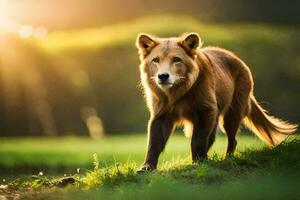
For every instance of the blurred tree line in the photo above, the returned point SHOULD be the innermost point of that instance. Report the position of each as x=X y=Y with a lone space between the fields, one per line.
x=86 y=13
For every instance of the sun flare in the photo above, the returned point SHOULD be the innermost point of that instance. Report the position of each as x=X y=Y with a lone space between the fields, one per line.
x=9 y=25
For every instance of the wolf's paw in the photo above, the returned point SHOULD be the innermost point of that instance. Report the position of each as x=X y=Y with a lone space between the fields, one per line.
x=145 y=168
x=200 y=160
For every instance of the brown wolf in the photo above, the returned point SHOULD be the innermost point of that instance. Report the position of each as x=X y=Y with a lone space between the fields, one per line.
x=187 y=84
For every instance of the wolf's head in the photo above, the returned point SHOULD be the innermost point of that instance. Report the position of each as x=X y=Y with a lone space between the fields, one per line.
x=169 y=63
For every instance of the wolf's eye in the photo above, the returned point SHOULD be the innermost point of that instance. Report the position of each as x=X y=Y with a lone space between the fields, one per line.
x=155 y=60
x=176 y=59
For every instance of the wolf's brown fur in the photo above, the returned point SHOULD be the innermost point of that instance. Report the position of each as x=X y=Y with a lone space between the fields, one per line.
x=205 y=84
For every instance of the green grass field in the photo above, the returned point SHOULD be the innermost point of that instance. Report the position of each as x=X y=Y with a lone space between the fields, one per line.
x=72 y=152
x=255 y=172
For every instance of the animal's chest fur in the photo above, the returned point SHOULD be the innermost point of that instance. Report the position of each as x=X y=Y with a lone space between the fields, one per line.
x=184 y=109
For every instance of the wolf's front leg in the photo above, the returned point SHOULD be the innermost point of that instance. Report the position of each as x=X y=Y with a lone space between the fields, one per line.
x=204 y=125
x=159 y=130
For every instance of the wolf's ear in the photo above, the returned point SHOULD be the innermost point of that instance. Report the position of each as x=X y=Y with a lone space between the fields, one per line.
x=145 y=43
x=191 y=42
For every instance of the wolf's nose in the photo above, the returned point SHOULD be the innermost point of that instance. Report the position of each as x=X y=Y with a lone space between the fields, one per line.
x=163 y=77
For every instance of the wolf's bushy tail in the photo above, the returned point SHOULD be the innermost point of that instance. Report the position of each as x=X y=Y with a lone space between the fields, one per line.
x=268 y=128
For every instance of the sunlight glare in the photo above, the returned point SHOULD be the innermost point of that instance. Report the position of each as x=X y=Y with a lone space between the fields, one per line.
x=7 y=24
x=26 y=31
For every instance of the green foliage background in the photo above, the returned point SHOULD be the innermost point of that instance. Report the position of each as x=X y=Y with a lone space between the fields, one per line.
x=97 y=67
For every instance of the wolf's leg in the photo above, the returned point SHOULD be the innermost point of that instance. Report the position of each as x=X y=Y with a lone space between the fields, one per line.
x=159 y=131
x=204 y=124
x=235 y=114
x=212 y=137
x=232 y=122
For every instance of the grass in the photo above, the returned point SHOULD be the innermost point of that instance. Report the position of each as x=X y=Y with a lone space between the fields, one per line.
x=63 y=154
x=255 y=172
x=252 y=175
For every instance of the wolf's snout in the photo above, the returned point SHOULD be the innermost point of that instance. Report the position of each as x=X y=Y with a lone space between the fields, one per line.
x=163 y=77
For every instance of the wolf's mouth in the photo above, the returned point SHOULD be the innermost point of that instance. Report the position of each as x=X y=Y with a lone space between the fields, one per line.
x=165 y=84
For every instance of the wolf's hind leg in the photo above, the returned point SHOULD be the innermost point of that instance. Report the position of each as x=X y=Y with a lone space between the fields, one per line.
x=233 y=118
x=231 y=126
